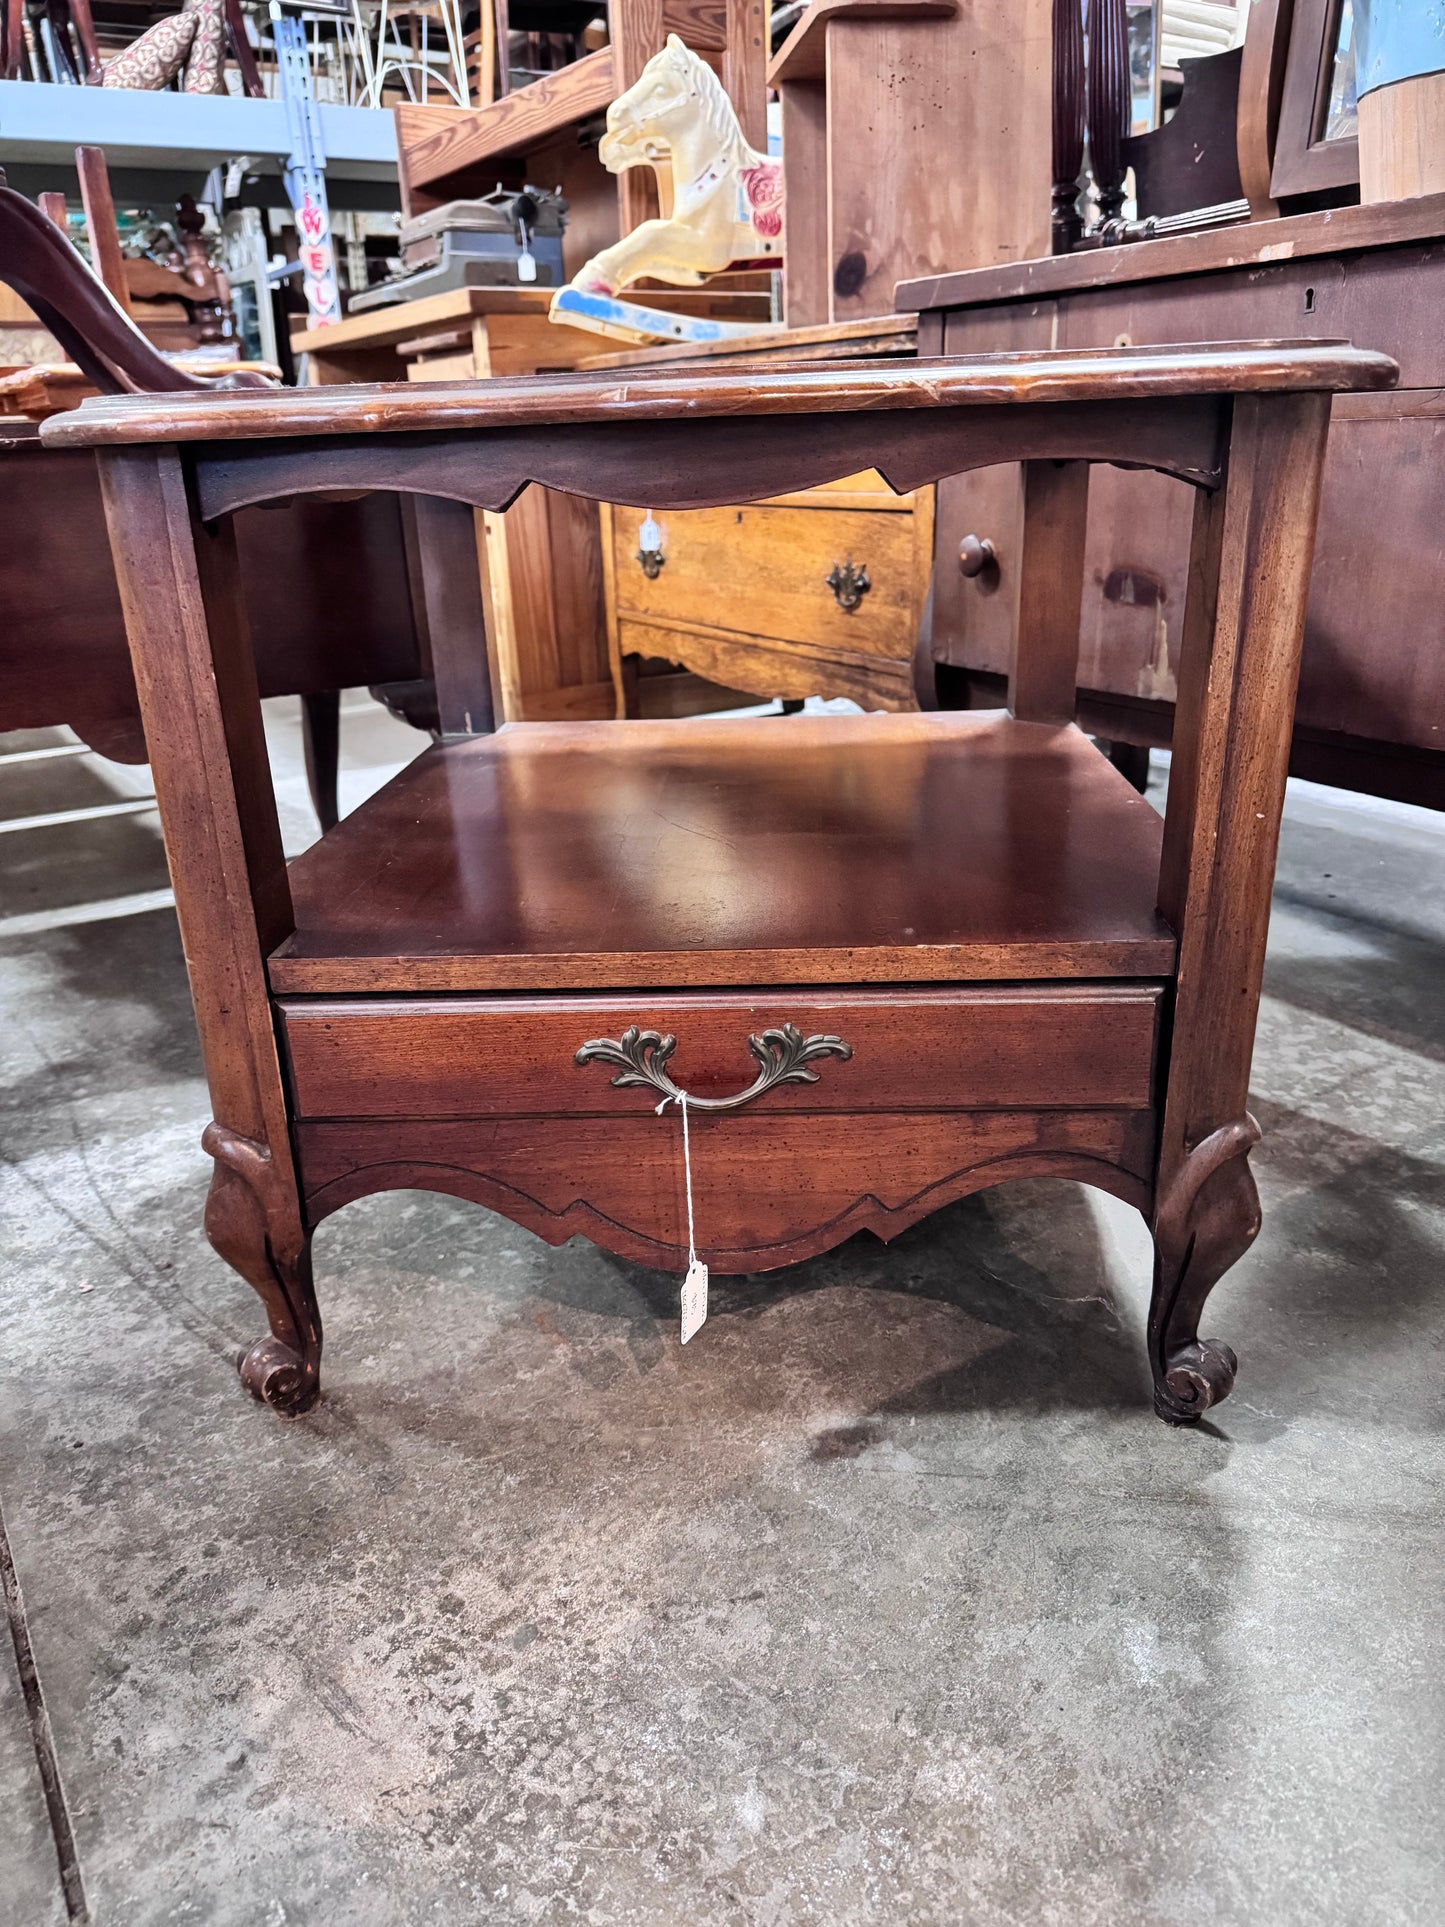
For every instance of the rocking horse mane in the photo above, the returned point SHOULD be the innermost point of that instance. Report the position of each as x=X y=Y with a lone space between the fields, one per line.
x=717 y=109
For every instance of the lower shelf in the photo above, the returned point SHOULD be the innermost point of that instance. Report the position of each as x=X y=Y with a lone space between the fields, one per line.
x=946 y=848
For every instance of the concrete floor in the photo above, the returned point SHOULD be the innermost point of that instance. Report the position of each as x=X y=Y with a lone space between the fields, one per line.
x=888 y=1600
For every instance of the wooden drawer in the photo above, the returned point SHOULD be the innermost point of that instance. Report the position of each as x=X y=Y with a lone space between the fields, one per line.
x=1033 y=1047
x=763 y=572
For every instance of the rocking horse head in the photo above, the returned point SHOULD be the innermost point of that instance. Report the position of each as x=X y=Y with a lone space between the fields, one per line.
x=675 y=92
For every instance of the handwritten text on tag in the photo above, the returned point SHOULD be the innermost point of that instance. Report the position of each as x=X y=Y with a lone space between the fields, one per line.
x=694 y=1299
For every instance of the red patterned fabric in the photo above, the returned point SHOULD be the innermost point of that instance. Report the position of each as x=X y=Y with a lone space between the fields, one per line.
x=194 y=39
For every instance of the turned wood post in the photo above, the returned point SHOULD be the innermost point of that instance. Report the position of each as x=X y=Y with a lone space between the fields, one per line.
x=1108 y=91
x=1068 y=122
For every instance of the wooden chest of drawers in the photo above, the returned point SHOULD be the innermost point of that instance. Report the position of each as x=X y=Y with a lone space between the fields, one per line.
x=819 y=593
x=1371 y=712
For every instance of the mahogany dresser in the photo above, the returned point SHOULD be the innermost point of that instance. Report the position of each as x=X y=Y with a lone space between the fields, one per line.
x=887 y=959
x=1372 y=681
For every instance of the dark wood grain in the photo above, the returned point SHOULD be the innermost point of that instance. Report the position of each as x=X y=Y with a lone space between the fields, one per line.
x=1068 y=121
x=195 y=676
x=1261 y=84
x=325 y=585
x=585 y=854
x=1253 y=553
x=460 y=1057
x=715 y=461
x=1233 y=721
x=1044 y=671
x=1304 y=162
x=1067 y=987
x=447 y=575
x=1337 y=230
x=619 y=1183
x=1371 y=709
x=1108 y=96
x=664 y=394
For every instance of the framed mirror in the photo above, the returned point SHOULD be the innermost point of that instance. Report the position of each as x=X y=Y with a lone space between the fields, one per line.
x=1317 y=144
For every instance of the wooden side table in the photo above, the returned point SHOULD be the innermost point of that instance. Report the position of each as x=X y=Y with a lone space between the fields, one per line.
x=892 y=958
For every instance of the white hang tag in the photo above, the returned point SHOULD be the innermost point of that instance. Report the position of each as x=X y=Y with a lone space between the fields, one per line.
x=694 y=1299
x=649 y=535
x=526 y=260
x=694 y=1285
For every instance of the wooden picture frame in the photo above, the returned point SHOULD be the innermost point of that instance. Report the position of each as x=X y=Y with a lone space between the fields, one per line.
x=1305 y=160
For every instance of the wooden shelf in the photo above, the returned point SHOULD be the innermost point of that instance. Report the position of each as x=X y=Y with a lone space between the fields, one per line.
x=803 y=55
x=906 y=848
x=442 y=141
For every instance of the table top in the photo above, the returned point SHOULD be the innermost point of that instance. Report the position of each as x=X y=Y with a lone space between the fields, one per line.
x=540 y=401
x=943 y=847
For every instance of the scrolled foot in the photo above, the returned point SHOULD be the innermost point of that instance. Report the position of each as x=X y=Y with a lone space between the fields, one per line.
x=272 y=1373
x=253 y=1222
x=1195 y=1377
x=1206 y=1220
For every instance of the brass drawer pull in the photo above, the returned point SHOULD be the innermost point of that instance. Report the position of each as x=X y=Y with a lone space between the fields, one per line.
x=849 y=585
x=642 y=1054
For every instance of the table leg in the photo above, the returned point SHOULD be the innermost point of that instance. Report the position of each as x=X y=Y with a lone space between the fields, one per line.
x=196 y=678
x=1244 y=622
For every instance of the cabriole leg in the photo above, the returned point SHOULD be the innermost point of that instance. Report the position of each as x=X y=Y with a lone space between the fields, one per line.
x=250 y=1223
x=1207 y=1219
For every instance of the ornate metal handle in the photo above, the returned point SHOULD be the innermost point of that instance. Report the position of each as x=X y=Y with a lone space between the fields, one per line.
x=643 y=1054
x=652 y=561
x=849 y=585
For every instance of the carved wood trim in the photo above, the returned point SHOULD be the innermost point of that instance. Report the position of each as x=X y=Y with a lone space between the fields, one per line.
x=580 y=1218
x=707 y=462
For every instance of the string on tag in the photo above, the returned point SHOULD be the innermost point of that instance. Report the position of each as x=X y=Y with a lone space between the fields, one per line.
x=694 y=1285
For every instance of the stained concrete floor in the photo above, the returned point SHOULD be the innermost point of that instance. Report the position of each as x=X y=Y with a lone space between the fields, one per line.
x=888 y=1600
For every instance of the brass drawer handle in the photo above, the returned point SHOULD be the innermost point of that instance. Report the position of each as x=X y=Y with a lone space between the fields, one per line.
x=652 y=561
x=642 y=1054
x=849 y=585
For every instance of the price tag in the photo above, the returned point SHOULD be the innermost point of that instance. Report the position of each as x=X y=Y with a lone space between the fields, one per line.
x=694 y=1299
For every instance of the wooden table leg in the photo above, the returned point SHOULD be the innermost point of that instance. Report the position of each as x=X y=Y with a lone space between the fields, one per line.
x=446 y=588
x=1045 y=666
x=196 y=678
x=1244 y=622
x=321 y=746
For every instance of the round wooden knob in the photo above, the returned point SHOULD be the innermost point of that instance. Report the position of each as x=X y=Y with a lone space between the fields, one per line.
x=975 y=554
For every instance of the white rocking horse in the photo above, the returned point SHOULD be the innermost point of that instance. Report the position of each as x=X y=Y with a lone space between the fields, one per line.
x=727 y=203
